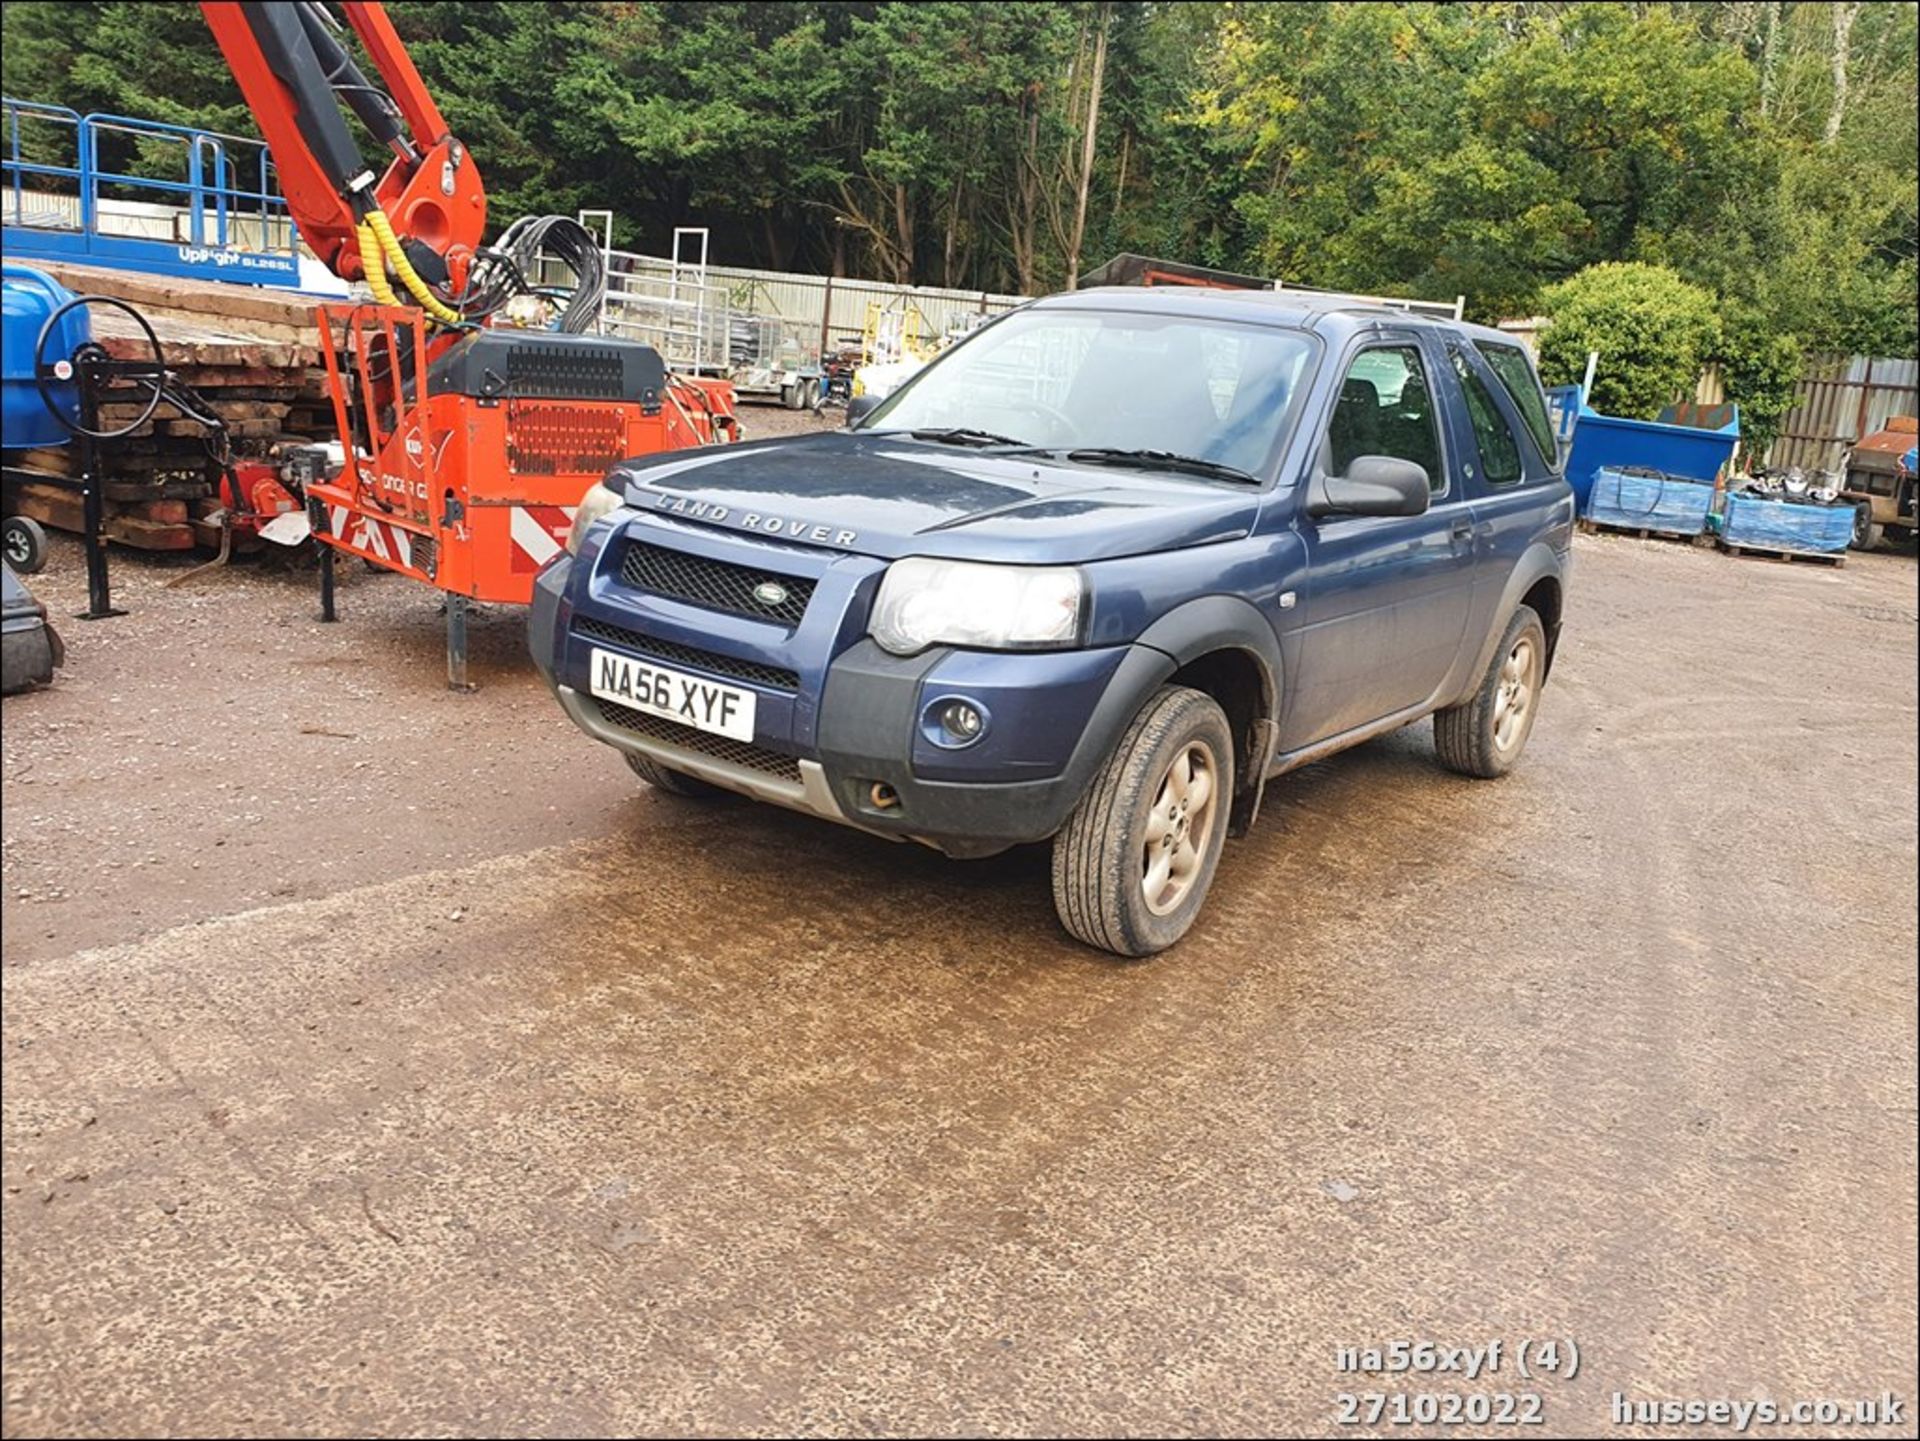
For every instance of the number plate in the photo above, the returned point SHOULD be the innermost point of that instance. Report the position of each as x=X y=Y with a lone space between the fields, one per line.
x=673 y=695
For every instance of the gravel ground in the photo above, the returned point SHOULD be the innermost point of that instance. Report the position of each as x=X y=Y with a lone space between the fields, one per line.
x=380 y=1059
x=191 y=740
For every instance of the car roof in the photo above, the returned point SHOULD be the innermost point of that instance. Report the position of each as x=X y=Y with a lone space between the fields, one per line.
x=1318 y=310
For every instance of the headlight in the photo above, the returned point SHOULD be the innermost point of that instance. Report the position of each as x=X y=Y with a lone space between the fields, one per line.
x=597 y=502
x=993 y=607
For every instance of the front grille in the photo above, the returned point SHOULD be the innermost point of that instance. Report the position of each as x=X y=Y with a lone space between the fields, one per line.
x=686 y=738
x=674 y=654
x=715 y=584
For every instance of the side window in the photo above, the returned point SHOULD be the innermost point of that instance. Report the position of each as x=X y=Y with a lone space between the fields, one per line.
x=1499 y=450
x=1510 y=365
x=1386 y=408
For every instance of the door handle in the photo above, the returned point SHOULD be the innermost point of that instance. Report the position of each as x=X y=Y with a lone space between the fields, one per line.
x=1462 y=532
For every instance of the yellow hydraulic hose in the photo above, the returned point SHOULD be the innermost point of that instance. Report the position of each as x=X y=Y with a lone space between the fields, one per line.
x=409 y=277
x=375 y=265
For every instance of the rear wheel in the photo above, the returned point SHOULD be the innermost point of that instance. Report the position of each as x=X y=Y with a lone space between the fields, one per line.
x=1485 y=735
x=1133 y=864
x=674 y=783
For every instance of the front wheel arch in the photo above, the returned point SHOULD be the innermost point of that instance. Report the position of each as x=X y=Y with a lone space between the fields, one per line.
x=1223 y=646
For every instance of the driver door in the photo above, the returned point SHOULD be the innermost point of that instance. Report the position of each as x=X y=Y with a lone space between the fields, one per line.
x=1386 y=598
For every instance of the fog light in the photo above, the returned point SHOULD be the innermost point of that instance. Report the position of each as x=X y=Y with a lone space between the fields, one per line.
x=953 y=722
x=962 y=721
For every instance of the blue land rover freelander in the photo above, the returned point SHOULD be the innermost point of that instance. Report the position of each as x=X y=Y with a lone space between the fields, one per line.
x=1096 y=576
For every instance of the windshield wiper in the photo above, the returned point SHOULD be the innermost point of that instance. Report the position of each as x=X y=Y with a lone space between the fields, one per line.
x=960 y=435
x=1160 y=460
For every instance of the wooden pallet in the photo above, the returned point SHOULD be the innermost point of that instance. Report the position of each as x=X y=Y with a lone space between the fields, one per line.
x=148 y=525
x=1642 y=532
x=1819 y=557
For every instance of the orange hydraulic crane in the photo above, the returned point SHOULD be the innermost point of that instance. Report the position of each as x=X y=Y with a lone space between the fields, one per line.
x=468 y=440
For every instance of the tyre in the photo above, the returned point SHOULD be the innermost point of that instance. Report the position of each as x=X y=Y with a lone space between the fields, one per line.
x=790 y=395
x=674 y=783
x=25 y=544
x=1132 y=866
x=809 y=395
x=1485 y=735
x=1866 y=534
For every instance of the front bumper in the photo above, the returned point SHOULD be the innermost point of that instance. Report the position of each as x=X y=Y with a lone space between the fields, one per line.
x=846 y=742
x=806 y=790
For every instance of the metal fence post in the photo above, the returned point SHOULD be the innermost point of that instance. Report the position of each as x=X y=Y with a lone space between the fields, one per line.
x=826 y=317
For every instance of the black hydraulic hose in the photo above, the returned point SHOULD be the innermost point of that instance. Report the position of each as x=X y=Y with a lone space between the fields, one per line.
x=505 y=268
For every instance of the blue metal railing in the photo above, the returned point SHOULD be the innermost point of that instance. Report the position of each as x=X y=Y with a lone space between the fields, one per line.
x=236 y=222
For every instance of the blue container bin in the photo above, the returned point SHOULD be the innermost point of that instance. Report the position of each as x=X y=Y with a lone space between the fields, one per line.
x=1759 y=522
x=1636 y=499
x=30 y=296
x=1690 y=441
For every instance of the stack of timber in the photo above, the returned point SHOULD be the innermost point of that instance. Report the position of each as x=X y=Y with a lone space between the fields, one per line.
x=252 y=353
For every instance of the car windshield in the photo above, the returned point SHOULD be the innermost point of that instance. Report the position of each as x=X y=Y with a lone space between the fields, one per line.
x=1115 y=381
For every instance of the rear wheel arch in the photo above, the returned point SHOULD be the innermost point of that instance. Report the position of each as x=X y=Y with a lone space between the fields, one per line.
x=1544 y=597
x=1537 y=565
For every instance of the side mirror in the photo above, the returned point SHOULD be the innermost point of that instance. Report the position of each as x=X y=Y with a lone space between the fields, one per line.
x=1373 y=485
x=860 y=407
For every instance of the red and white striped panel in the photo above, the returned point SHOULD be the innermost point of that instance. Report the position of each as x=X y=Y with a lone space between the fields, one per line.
x=539 y=533
x=371 y=537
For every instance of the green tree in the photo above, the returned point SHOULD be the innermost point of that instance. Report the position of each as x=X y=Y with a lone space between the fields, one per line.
x=1760 y=367
x=1492 y=150
x=1642 y=126
x=1652 y=329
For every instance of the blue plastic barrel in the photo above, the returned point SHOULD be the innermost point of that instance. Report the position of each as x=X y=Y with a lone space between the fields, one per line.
x=30 y=297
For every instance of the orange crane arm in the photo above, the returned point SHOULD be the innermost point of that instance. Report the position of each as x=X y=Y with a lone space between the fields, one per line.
x=295 y=75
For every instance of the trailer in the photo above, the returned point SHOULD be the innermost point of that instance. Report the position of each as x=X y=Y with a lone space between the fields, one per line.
x=767 y=359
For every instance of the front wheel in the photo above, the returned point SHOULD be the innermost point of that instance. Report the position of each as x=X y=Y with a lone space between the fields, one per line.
x=1866 y=533
x=1132 y=866
x=1484 y=735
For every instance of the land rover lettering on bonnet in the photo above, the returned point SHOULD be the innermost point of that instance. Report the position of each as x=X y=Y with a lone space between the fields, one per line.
x=751 y=520
x=1096 y=576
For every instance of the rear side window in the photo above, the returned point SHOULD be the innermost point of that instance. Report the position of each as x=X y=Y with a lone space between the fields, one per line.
x=1517 y=376
x=1499 y=448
